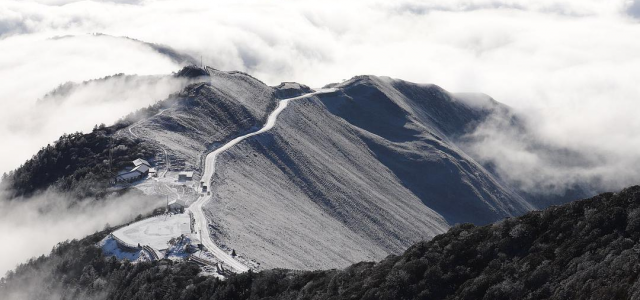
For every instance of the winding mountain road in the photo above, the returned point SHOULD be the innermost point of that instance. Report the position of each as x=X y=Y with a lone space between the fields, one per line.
x=210 y=165
x=134 y=125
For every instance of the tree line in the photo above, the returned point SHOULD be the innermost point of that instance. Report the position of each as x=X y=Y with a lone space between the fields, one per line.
x=82 y=164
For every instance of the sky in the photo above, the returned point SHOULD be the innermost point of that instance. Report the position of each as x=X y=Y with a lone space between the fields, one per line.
x=569 y=67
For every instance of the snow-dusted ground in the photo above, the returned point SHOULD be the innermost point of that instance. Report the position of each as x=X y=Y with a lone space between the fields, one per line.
x=353 y=175
x=201 y=226
x=346 y=175
x=210 y=162
x=110 y=248
x=178 y=250
x=155 y=231
x=132 y=127
x=219 y=108
x=313 y=197
x=191 y=125
x=169 y=187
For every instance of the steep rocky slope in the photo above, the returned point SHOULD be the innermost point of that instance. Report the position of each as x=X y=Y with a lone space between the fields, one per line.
x=354 y=175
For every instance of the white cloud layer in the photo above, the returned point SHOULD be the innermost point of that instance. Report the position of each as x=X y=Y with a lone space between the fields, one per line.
x=31 y=66
x=31 y=227
x=570 y=65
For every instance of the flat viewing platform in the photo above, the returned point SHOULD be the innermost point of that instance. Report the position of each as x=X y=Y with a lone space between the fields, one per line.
x=155 y=231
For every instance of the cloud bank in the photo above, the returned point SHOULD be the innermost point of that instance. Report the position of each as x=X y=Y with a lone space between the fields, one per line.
x=31 y=227
x=569 y=66
x=29 y=72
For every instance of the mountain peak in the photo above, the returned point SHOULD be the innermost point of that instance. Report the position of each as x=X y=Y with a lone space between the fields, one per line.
x=291 y=89
x=192 y=71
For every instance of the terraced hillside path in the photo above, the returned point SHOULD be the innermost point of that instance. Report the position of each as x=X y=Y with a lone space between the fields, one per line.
x=201 y=223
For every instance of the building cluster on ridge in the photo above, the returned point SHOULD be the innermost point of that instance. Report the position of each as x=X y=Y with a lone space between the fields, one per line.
x=141 y=169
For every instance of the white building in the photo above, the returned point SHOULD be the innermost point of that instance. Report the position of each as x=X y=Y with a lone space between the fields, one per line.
x=140 y=170
x=184 y=176
x=141 y=161
x=128 y=176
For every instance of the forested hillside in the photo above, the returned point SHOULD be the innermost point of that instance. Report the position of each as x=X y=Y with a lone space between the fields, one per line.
x=583 y=250
x=78 y=163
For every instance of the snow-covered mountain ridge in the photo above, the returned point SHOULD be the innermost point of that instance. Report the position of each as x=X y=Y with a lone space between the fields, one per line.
x=351 y=175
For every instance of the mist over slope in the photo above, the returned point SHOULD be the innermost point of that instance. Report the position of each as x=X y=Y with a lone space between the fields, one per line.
x=545 y=173
x=27 y=124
